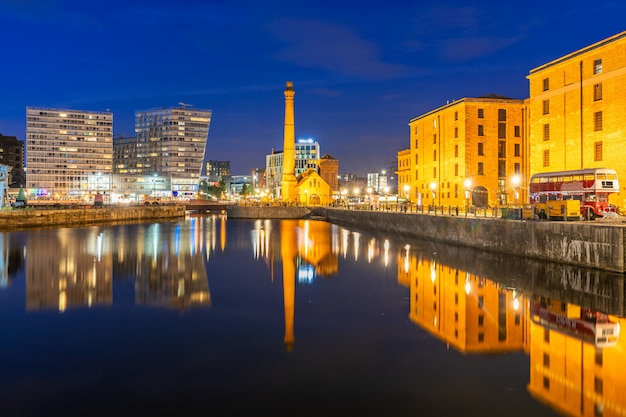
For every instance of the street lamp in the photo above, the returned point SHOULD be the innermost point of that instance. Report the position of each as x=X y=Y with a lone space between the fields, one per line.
x=515 y=181
x=406 y=192
x=386 y=189
x=468 y=186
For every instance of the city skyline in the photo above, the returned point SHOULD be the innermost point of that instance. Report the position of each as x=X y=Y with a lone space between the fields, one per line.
x=358 y=83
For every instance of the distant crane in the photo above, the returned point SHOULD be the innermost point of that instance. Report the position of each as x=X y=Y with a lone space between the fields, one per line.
x=184 y=105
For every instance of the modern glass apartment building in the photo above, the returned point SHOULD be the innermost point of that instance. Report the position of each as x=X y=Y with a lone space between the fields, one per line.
x=166 y=155
x=68 y=152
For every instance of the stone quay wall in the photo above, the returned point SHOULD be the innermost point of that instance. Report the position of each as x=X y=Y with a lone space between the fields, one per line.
x=29 y=218
x=267 y=212
x=589 y=244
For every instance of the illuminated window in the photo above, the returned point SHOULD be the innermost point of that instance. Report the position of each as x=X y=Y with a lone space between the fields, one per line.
x=597 y=66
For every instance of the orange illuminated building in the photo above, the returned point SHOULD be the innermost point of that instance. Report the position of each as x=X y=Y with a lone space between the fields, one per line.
x=574 y=374
x=470 y=313
x=577 y=111
x=473 y=145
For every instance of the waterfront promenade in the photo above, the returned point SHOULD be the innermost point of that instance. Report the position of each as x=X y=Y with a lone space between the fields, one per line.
x=35 y=217
x=598 y=244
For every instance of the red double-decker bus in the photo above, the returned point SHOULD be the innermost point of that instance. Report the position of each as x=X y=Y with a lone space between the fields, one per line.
x=581 y=323
x=591 y=187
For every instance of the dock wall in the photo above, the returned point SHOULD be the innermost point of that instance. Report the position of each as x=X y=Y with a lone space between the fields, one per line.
x=28 y=217
x=590 y=244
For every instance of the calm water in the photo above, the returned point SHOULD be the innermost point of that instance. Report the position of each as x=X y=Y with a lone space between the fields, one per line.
x=209 y=316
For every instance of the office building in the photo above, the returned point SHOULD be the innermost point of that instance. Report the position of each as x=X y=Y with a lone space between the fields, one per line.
x=165 y=157
x=68 y=152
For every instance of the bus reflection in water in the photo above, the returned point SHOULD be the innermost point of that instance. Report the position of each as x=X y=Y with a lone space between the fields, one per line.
x=592 y=187
x=584 y=324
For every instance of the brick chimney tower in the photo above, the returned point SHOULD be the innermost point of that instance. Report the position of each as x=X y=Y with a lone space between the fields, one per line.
x=288 y=181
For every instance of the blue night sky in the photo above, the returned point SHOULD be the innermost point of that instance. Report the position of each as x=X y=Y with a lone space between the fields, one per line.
x=361 y=70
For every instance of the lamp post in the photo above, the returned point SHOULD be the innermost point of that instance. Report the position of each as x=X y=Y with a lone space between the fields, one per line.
x=406 y=192
x=468 y=186
x=515 y=181
x=386 y=189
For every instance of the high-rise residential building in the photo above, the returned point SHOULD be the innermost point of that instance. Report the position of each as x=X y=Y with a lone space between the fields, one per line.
x=472 y=144
x=165 y=157
x=12 y=155
x=68 y=152
x=217 y=170
x=577 y=106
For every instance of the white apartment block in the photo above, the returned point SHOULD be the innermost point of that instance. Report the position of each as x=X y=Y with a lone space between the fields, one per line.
x=68 y=152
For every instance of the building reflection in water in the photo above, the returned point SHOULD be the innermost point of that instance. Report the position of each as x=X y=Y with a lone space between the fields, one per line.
x=566 y=319
x=170 y=268
x=65 y=270
x=307 y=250
x=576 y=352
x=166 y=262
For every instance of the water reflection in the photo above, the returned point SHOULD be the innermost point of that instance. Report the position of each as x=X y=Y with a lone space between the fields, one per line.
x=567 y=320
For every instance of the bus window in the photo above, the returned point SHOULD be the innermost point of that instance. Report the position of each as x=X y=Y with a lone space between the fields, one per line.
x=600 y=176
x=591 y=197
